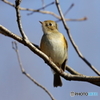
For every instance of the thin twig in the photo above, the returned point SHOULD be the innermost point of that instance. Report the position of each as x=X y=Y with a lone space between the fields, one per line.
x=17 y=3
x=66 y=11
x=9 y=3
x=80 y=19
x=15 y=47
x=41 y=8
x=43 y=4
x=72 y=41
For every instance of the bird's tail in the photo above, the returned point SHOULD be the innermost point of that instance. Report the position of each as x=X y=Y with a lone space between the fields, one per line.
x=57 y=80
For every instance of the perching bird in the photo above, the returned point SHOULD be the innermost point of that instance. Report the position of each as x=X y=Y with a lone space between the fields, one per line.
x=55 y=46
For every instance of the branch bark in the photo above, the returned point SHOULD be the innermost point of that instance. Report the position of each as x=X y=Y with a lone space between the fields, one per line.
x=72 y=41
x=43 y=12
x=15 y=47
x=76 y=77
x=18 y=16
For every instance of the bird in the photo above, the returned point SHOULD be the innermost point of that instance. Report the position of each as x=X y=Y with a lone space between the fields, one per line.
x=55 y=46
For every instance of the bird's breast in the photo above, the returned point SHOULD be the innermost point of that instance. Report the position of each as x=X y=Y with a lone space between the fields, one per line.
x=53 y=46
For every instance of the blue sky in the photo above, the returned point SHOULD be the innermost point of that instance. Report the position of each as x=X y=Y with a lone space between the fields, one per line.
x=86 y=34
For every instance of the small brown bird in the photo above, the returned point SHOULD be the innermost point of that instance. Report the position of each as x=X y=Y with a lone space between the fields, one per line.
x=55 y=46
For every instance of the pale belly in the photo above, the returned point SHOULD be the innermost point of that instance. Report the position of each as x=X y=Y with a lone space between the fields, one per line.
x=55 y=50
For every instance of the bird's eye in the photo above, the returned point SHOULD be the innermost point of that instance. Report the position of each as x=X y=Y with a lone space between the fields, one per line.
x=50 y=24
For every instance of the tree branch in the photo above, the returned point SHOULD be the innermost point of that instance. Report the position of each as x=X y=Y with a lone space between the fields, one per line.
x=80 y=77
x=17 y=3
x=43 y=4
x=66 y=11
x=72 y=71
x=72 y=41
x=43 y=12
x=15 y=47
x=42 y=7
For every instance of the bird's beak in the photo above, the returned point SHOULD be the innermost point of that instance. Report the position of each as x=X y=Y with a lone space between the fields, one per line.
x=41 y=22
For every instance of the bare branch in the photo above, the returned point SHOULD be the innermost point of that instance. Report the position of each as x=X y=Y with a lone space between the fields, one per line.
x=72 y=71
x=15 y=47
x=41 y=8
x=80 y=77
x=27 y=9
x=9 y=3
x=80 y=19
x=68 y=9
x=17 y=3
x=72 y=41
x=66 y=12
x=43 y=12
x=43 y=4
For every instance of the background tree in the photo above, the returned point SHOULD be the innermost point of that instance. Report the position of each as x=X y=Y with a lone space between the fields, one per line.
x=16 y=86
